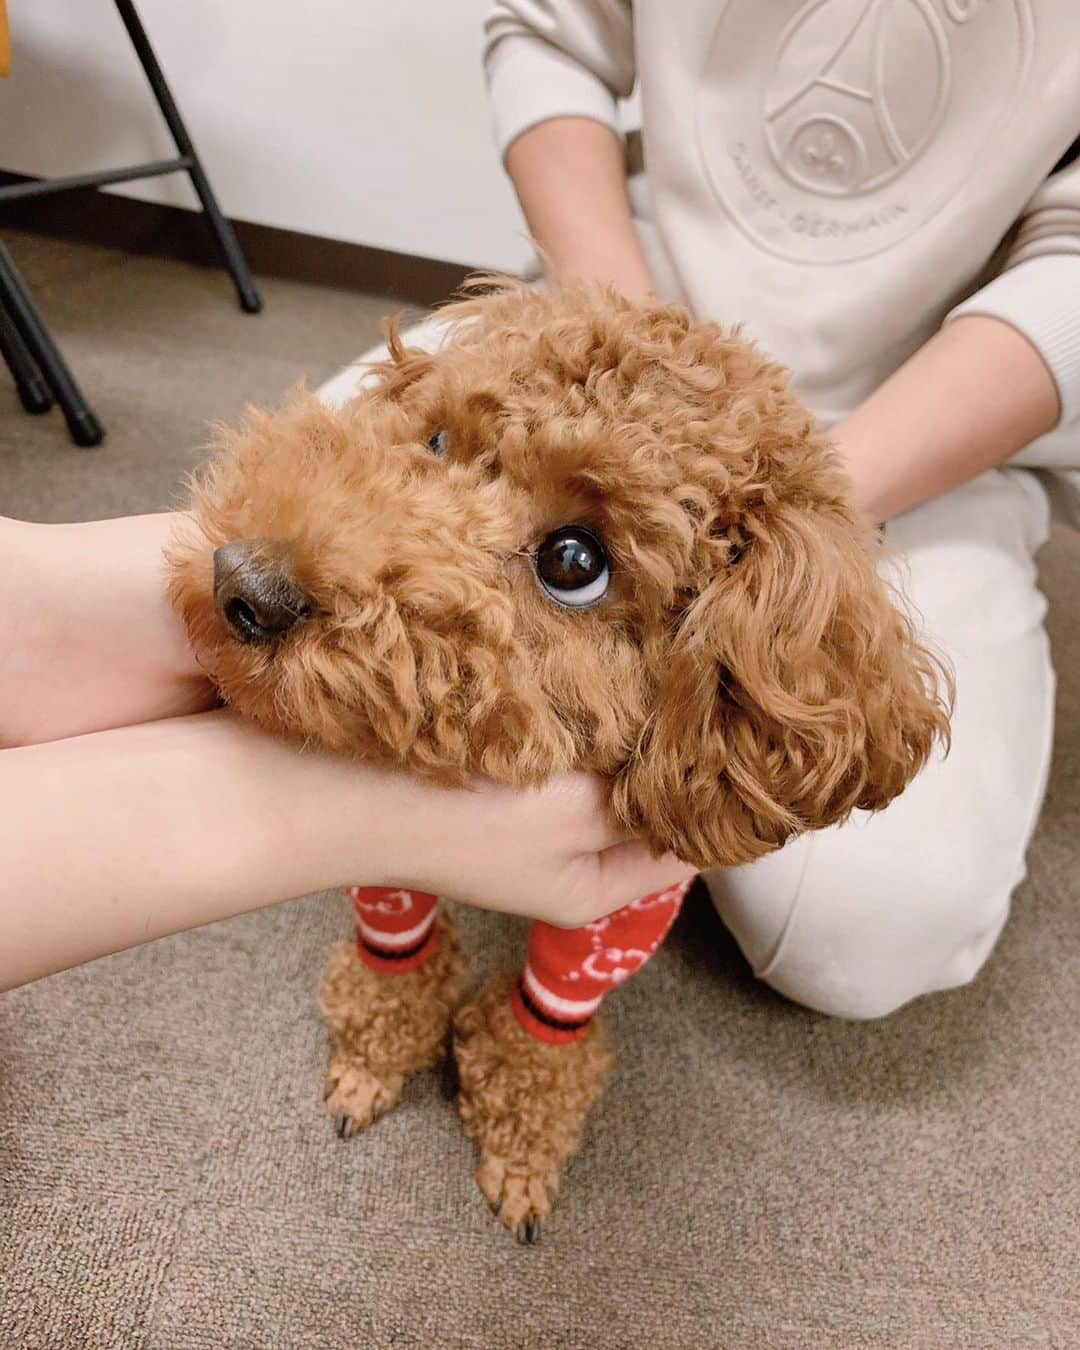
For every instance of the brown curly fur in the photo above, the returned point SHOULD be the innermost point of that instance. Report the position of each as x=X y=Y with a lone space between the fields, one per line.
x=746 y=677
x=524 y=1103
x=385 y=1028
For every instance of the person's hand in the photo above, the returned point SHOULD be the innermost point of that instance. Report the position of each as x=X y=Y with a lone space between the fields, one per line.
x=549 y=853
x=183 y=822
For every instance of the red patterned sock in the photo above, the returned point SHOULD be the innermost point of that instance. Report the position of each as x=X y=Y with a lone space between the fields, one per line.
x=569 y=970
x=395 y=929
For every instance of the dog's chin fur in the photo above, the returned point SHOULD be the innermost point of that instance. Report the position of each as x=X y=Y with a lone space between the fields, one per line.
x=746 y=677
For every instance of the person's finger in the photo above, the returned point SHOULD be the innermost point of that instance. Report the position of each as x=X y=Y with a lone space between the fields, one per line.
x=610 y=879
x=629 y=871
x=591 y=798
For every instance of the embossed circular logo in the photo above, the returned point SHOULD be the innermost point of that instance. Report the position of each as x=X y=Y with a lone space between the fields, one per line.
x=830 y=129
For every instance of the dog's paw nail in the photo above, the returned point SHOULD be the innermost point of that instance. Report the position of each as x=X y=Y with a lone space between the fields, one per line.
x=344 y=1126
x=528 y=1232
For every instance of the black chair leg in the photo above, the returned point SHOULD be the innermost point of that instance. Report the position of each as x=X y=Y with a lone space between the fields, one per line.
x=84 y=427
x=223 y=231
x=33 y=391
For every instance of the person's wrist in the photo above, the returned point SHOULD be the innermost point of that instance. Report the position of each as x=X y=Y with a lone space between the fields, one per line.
x=461 y=826
x=628 y=275
x=173 y=651
x=869 y=501
x=414 y=833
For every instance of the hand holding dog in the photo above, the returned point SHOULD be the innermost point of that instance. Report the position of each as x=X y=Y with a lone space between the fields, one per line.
x=98 y=816
x=547 y=853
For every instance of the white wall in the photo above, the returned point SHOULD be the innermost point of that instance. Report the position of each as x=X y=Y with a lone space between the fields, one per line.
x=362 y=120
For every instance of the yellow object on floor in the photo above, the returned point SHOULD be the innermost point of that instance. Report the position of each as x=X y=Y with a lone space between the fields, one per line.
x=5 y=40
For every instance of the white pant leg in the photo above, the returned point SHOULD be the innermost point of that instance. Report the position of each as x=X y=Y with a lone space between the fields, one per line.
x=347 y=383
x=861 y=918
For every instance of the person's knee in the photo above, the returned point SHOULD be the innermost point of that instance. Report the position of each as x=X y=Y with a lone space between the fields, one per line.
x=864 y=957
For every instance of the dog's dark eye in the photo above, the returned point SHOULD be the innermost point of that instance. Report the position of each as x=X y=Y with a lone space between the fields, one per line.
x=572 y=566
x=437 y=443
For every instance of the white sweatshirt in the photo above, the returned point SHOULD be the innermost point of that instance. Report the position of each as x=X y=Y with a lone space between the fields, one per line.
x=840 y=176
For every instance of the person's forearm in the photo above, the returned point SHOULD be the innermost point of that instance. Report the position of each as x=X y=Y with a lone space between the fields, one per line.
x=973 y=396
x=123 y=836
x=570 y=178
x=90 y=641
x=120 y=837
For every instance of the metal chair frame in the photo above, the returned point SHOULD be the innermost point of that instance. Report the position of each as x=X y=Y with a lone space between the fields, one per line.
x=40 y=372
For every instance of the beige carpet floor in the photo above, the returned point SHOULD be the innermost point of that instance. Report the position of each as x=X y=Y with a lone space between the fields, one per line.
x=757 y=1176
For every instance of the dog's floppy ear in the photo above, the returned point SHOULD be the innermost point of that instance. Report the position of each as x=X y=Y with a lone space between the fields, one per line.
x=795 y=692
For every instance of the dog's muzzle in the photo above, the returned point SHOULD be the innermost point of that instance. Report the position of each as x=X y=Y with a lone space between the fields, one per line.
x=255 y=591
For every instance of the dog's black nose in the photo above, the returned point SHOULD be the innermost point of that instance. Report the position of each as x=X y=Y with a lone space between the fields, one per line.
x=255 y=590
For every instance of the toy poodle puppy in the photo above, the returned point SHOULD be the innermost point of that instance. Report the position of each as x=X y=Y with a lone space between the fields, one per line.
x=587 y=533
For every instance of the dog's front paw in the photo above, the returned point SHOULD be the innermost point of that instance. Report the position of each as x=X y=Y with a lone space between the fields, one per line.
x=520 y=1193
x=524 y=1102
x=355 y=1097
x=385 y=1026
